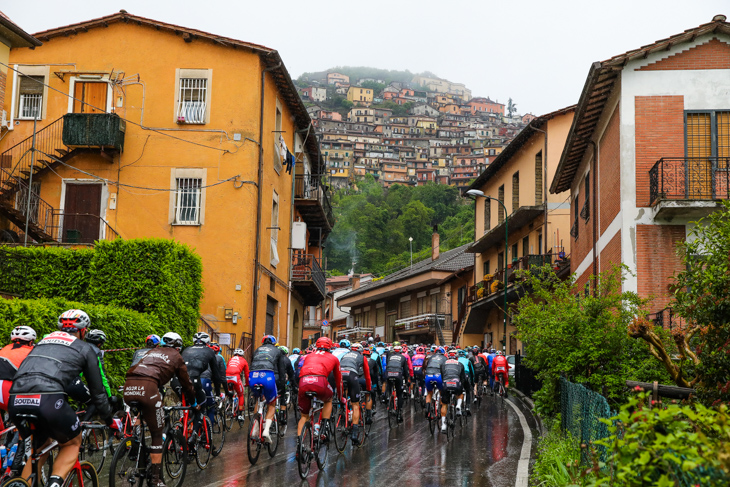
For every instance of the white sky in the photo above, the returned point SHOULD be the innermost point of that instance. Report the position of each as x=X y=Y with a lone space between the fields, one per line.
x=537 y=52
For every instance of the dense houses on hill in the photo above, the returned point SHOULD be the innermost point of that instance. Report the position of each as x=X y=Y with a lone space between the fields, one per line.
x=443 y=135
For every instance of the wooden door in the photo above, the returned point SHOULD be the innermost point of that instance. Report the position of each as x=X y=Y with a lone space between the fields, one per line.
x=93 y=96
x=81 y=213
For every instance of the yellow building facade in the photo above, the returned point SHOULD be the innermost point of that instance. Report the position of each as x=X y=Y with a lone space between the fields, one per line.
x=360 y=96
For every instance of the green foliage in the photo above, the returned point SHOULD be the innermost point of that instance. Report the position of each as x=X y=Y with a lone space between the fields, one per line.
x=374 y=224
x=373 y=85
x=582 y=337
x=673 y=445
x=37 y=272
x=156 y=276
x=124 y=328
x=398 y=110
x=357 y=72
x=557 y=459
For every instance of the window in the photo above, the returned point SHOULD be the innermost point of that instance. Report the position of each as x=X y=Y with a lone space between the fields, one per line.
x=539 y=243
x=192 y=100
x=526 y=246
x=585 y=212
x=275 y=229
x=277 y=136
x=485 y=268
x=708 y=135
x=515 y=191
x=500 y=261
x=514 y=252
x=422 y=305
x=30 y=97
x=500 y=208
x=538 y=178
x=187 y=201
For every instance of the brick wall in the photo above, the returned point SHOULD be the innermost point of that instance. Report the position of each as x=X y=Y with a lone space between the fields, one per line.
x=580 y=247
x=584 y=279
x=657 y=261
x=609 y=173
x=611 y=254
x=659 y=133
x=713 y=54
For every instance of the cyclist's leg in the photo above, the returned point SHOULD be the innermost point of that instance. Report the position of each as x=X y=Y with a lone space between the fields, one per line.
x=270 y=393
x=209 y=401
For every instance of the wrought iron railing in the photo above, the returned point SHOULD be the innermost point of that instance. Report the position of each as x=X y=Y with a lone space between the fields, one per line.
x=585 y=212
x=309 y=187
x=666 y=318
x=312 y=324
x=77 y=228
x=357 y=332
x=690 y=178
x=574 y=228
x=305 y=267
x=217 y=336
x=430 y=321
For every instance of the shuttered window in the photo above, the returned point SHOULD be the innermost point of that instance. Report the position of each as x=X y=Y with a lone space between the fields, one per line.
x=515 y=191
x=500 y=208
x=487 y=214
x=380 y=317
x=538 y=178
x=405 y=309
x=30 y=99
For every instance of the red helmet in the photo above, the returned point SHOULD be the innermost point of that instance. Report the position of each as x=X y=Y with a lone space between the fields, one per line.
x=366 y=352
x=324 y=343
x=452 y=353
x=420 y=350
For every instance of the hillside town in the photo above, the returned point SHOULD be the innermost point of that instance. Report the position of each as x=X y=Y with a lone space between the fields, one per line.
x=442 y=134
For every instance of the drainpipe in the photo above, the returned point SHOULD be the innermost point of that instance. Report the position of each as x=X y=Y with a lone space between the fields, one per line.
x=595 y=211
x=258 y=205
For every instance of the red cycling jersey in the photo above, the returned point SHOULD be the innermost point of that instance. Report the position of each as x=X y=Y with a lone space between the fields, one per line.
x=323 y=364
x=237 y=365
x=501 y=367
x=410 y=363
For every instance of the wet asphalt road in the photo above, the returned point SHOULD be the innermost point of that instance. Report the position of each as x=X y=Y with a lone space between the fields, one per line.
x=485 y=453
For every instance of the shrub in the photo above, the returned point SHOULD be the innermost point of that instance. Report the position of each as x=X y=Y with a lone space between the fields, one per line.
x=557 y=459
x=124 y=328
x=45 y=272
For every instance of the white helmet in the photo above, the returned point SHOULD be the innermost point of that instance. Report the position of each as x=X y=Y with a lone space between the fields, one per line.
x=171 y=339
x=24 y=333
x=74 y=319
x=201 y=337
x=238 y=352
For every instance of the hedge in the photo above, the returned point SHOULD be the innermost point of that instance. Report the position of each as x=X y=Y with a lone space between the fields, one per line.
x=150 y=276
x=124 y=328
x=40 y=272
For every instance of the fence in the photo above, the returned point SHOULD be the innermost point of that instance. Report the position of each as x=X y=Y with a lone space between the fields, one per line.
x=525 y=378
x=581 y=411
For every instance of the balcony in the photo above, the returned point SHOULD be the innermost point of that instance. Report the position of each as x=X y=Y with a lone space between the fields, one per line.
x=688 y=186
x=312 y=200
x=308 y=279
x=425 y=323
x=94 y=131
x=354 y=334
x=312 y=324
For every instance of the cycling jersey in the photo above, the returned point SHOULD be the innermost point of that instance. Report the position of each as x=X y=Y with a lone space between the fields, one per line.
x=454 y=379
x=221 y=362
x=339 y=352
x=11 y=356
x=268 y=357
x=138 y=354
x=197 y=359
x=467 y=368
x=417 y=362
x=397 y=366
x=375 y=372
x=501 y=367
x=433 y=364
x=354 y=362
x=313 y=375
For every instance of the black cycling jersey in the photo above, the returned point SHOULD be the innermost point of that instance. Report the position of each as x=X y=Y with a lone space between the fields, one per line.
x=432 y=365
x=375 y=371
x=207 y=374
x=453 y=369
x=353 y=361
x=268 y=357
x=198 y=358
x=397 y=363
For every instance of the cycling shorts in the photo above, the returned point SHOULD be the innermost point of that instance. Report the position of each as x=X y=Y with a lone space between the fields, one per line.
x=267 y=380
x=433 y=378
x=235 y=384
x=352 y=384
x=56 y=419
x=313 y=383
x=451 y=386
x=5 y=386
x=418 y=373
x=146 y=393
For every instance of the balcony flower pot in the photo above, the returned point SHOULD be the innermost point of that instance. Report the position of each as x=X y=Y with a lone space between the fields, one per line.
x=480 y=292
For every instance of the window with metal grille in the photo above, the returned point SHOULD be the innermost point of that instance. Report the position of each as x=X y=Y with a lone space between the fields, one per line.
x=30 y=97
x=192 y=100
x=187 y=201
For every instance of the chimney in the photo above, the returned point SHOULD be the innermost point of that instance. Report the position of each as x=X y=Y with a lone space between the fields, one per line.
x=435 y=243
x=355 y=281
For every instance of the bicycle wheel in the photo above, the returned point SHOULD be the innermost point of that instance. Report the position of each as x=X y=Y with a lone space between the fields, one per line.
x=174 y=460
x=219 y=432
x=89 y=476
x=94 y=447
x=253 y=445
x=392 y=411
x=125 y=471
x=204 y=447
x=341 y=429
x=432 y=419
x=362 y=434
x=322 y=450
x=274 y=433
x=304 y=453
x=451 y=421
x=250 y=404
x=16 y=482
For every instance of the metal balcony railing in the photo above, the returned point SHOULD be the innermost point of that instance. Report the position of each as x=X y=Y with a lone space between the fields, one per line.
x=574 y=229
x=585 y=212
x=667 y=319
x=690 y=178
x=305 y=267
x=430 y=321
x=357 y=332
x=77 y=228
x=308 y=187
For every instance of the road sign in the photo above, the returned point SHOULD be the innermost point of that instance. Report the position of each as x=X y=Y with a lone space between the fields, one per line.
x=325 y=322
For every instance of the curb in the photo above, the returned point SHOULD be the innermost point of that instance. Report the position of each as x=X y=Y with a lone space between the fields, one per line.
x=531 y=406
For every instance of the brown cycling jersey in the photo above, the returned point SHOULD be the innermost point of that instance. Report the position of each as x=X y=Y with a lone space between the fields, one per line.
x=161 y=365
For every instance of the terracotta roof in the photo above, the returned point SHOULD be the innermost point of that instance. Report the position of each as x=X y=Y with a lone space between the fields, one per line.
x=17 y=36
x=269 y=57
x=597 y=89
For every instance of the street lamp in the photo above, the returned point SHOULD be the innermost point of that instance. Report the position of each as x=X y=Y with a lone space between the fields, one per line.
x=476 y=192
x=410 y=244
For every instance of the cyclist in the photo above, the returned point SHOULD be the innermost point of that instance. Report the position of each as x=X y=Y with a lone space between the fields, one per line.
x=490 y=359
x=479 y=366
x=236 y=375
x=39 y=390
x=470 y=375
x=268 y=370
x=290 y=379
x=432 y=372
x=206 y=380
x=375 y=378
x=97 y=338
x=453 y=377
x=353 y=369
x=342 y=349
x=152 y=341
x=143 y=382
x=500 y=368
x=397 y=371
x=198 y=358
x=22 y=339
x=314 y=374
x=417 y=360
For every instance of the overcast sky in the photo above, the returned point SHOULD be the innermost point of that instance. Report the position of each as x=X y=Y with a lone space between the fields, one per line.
x=536 y=52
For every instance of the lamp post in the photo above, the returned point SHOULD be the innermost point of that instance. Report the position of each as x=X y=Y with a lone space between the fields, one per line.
x=410 y=244
x=476 y=192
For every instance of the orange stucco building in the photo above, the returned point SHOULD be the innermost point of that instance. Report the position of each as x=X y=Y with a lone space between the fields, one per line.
x=148 y=129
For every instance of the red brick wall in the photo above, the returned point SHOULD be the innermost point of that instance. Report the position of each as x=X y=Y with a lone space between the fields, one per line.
x=609 y=173
x=657 y=260
x=659 y=133
x=611 y=254
x=581 y=247
x=584 y=279
x=713 y=54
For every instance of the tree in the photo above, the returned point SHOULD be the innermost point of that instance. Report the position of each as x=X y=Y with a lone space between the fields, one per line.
x=582 y=337
x=701 y=343
x=511 y=107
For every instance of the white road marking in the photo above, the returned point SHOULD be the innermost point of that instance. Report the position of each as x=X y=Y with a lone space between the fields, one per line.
x=523 y=466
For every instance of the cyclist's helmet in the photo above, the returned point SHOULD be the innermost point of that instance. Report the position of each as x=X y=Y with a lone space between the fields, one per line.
x=152 y=341
x=296 y=351
x=433 y=348
x=381 y=344
x=493 y=351
x=421 y=350
x=172 y=339
x=357 y=347
x=397 y=348
x=500 y=352
x=441 y=350
x=201 y=337
x=452 y=354
x=23 y=334
x=73 y=320
x=345 y=343
x=268 y=339
x=324 y=343
x=366 y=352
x=96 y=337
x=396 y=343
x=370 y=340
x=216 y=348
x=239 y=352
x=462 y=353
x=284 y=349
